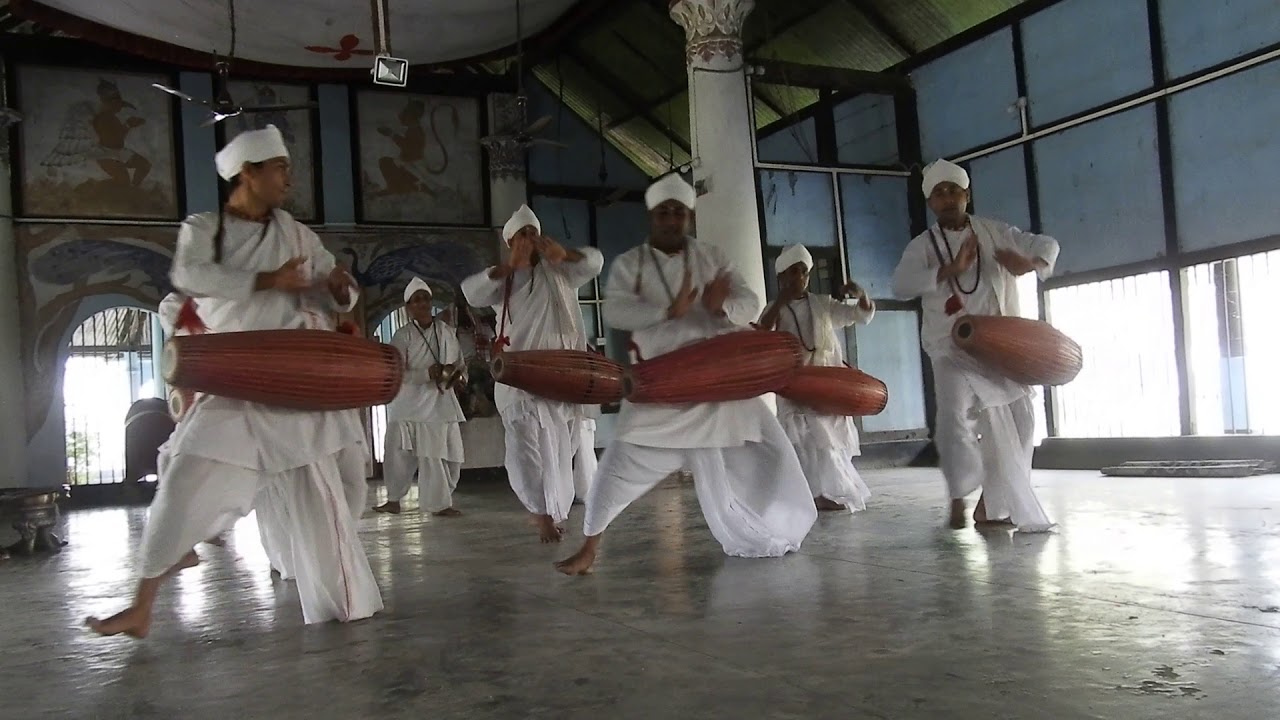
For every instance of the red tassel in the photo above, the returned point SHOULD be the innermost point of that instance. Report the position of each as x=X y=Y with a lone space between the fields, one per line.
x=189 y=319
x=349 y=328
x=953 y=305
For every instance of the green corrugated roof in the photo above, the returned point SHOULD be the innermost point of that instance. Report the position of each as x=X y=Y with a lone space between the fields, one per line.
x=639 y=46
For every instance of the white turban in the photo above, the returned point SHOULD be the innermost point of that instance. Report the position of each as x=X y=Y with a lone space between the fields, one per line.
x=414 y=286
x=250 y=146
x=519 y=219
x=791 y=256
x=940 y=171
x=670 y=187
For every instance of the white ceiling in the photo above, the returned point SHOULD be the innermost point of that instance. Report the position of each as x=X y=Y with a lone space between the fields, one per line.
x=280 y=31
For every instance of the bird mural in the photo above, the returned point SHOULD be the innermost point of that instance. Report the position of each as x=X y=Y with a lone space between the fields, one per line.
x=448 y=261
x=77 y=261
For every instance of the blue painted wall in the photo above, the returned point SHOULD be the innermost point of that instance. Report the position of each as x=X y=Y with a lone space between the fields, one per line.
x=866 y=131
x=1080 y=54
x=799 y=207
x=998 y=187
x=963 y=98
x=579 y=164
x=1200 y=34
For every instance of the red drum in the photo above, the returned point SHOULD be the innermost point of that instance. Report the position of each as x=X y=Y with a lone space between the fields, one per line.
x=735 y=366
x=837 y=391
x=572 y=376
x=299 y=369
x=1031 y=352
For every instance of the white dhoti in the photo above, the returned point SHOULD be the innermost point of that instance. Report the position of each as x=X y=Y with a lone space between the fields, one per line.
x=539 y=456
x=432 y=451
x=271 y=515
x=353 y=464
x=826 y=446
x=754 y=496
x=583 y=430
x=197 y=497
x=999 y=462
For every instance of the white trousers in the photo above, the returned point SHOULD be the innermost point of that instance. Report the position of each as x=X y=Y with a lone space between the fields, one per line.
x=754 y=497
x=539 y=458
x=437 y=478
x=999 y=463
x=831 y=474
x=271 y=510
x=584 y=456
x=199 y=497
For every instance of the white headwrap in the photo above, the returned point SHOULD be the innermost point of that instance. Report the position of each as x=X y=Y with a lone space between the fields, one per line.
x=940 y=171
x=519 y=219
x=414 y=286
x=791 y=256
x=670 y=187
x=250 y=146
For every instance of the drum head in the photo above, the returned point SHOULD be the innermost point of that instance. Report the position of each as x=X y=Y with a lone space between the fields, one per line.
x=169 y=361
x=177 y=404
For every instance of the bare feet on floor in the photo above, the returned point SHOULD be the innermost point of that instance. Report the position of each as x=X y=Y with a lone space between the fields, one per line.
x=390 y=507
x=827 y=504
x=958 y=521
x=448 y=512
x=134 y=621
x=548 y=532
x=580 y=562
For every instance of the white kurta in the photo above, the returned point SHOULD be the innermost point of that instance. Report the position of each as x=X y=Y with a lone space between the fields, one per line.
x=227 y=452
x=971 y=398
x=749 y=482
x=542 y=314
x=424 y=433
x=825 y=444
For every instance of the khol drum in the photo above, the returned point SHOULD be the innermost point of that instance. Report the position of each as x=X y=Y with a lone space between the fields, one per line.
x=837 y=391
x=571 y=376
x=735 y=366
x=299 y=369
x=1031 y=352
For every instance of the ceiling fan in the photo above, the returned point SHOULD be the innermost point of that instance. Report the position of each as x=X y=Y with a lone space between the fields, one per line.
x=523 y=138
x=222 y=106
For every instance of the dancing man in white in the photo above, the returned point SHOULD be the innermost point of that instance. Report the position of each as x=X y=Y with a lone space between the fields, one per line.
x=825 y=444
x=424 y=421
x=968 y=265
x=670 y=292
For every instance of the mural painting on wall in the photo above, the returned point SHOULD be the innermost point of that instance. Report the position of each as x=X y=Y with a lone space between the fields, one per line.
x=420 y=159
x=61 y=264
x=296 y=128
x=95 y=145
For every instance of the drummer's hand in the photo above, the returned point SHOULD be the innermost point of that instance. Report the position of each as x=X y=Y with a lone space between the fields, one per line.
x=684 y=298
x=340 y=284
x=521 y=252
x=549 y=249
x=716 y=292
x=290 y=276
x=1016 y=262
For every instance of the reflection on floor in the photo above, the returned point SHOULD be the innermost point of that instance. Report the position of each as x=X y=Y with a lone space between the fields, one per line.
x=1155 y=599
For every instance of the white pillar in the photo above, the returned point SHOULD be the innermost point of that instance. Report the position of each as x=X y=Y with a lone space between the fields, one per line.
x=720 y=117
x=507 y=190
x=13 y=407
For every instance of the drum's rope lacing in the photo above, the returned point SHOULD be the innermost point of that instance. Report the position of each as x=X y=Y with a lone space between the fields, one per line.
x=502 y=340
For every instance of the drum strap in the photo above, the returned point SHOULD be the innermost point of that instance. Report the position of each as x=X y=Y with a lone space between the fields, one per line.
x=812 y=322
x=434 y=333
x=955 y=282
x=502 y=340
x=219 y=235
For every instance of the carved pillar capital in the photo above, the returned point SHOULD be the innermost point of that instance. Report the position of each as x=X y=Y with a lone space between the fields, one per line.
x=712 y=28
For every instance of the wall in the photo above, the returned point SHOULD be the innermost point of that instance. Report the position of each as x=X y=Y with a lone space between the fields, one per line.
x=1152 y=187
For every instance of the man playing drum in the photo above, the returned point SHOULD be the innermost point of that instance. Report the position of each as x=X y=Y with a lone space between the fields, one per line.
x=253 y=267
x=670 y=292
x=969 y=265
x=535 y=296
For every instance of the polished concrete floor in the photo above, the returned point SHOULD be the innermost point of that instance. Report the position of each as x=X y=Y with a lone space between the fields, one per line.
x=1155 y=599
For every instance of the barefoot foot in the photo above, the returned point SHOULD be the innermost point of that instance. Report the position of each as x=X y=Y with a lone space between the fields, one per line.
x=389 y=507
x=957 y=520
x=448 y=512
x=133 y=621
x=579 y=563
x=826 y=504
x=547 y=530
